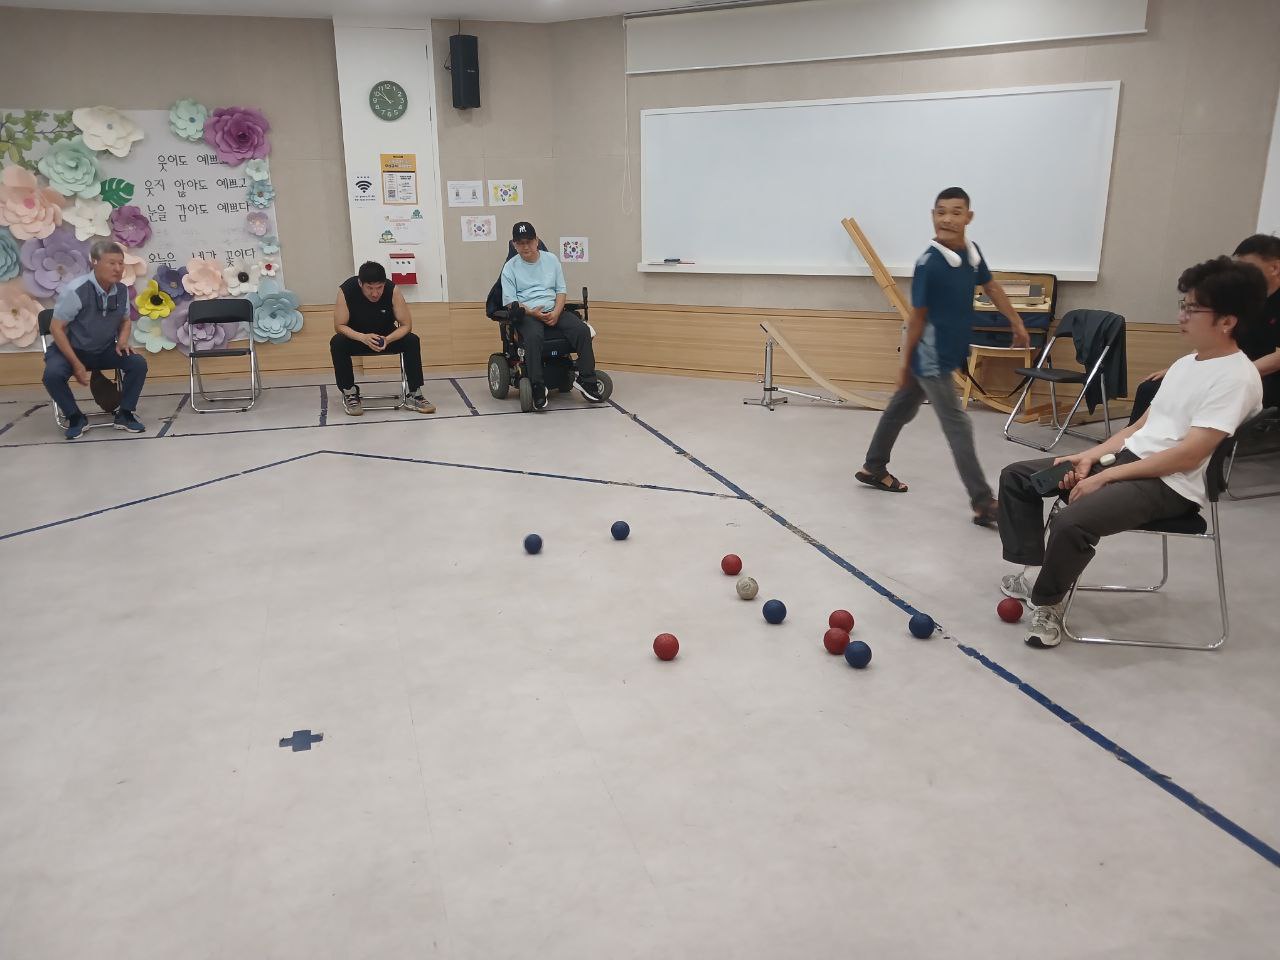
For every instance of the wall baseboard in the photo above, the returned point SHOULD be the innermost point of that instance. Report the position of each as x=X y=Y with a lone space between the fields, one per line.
x=858 y=348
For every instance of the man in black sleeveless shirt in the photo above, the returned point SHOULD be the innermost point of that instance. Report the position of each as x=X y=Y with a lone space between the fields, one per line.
x=371 y=317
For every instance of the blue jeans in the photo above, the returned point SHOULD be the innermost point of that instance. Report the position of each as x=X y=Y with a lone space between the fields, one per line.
x=57 y=371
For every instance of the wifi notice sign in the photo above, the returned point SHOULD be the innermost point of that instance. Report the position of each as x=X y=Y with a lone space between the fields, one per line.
x=363 y=188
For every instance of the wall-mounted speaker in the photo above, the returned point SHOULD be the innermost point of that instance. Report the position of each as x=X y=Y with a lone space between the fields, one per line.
x=464 y=66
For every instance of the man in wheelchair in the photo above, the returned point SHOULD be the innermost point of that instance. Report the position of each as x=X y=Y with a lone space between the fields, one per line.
x=533 y=292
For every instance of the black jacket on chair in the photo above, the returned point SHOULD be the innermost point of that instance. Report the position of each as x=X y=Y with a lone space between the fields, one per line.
x=1091 y=330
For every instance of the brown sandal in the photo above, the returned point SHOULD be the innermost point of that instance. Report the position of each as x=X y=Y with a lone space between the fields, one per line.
x=885 y=481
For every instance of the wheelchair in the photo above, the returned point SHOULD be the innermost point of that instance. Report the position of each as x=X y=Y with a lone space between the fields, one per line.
x=559 y=366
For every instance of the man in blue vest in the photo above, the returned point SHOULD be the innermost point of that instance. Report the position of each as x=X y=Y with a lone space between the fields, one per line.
x=90 y=329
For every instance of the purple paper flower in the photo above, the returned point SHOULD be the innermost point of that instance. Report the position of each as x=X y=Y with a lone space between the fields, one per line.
x=130 y=226
x=52 y=262
x=207 y=336
x=169 y=279
x=237 y=134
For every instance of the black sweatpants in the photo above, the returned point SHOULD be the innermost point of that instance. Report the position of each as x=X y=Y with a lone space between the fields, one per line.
x=1117 y=507
x=570 y=326
x=343 y=348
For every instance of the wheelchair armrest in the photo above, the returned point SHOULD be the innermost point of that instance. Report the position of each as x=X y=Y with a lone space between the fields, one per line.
x=501 y=316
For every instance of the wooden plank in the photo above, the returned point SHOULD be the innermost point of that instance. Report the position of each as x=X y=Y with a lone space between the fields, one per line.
x=846 y=395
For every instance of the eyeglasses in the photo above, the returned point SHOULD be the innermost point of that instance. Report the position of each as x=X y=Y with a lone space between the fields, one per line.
x=1186 y=309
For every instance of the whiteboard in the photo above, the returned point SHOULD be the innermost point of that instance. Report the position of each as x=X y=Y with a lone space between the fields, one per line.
x=761 y=188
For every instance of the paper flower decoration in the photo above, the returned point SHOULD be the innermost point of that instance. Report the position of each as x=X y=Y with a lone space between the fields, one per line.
x=148 y=333
x=106 y=128
x=204 y=279
x=72 y=169
x=91 y=218
x=27 y=209
x=242 y=279
x=186 y=120
x=130 y=226
x=205 y=336
x=10 y=264
x=153 y=302
x=276 y=316
x=269 y=268
x=19 y=316
x=270 y=245
x=237 y=134
x=53 y=261
x=257 y=223
x=135 y=268
x=257 y=170
x=170 y=281
x=261 y=193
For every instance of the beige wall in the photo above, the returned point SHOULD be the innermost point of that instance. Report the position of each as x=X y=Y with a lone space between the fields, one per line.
x=285 y=68
x=1197 y=101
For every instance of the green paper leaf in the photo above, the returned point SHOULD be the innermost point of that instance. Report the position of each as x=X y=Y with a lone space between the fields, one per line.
x=117 y=192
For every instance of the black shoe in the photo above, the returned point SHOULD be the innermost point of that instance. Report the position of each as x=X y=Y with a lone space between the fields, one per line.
x=539 y=396
x=590 y=389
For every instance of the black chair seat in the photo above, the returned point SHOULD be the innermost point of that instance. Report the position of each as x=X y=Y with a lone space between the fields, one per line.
x=1192 y=524
x=222 y=352
x=1052 y=374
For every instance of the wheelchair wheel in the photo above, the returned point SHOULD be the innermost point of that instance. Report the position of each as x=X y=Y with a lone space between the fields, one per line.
x=526 y=395
x=499 y=376
x=606 y=384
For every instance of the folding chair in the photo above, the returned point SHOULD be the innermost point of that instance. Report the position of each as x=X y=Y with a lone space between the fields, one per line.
x=1263 y=441
x=104 y=419
x=223 y=311
x=1191 y=526
x=398 y=400
x=1044 y=371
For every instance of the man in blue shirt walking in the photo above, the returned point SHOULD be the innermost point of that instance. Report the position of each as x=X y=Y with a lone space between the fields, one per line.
x=533 y=290
x=937 y=344
x=91 y=331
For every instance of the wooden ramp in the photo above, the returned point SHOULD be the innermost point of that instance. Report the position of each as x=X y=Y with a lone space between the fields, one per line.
x=848 y=396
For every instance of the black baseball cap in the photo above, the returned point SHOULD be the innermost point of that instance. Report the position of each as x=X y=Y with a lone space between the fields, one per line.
x=523 y=231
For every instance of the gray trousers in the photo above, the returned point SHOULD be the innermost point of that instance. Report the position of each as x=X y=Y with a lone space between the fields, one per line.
x=1115 y=508
x=902 y=409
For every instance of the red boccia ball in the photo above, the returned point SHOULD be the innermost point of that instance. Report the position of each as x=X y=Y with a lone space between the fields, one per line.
x=841 y=620
x=1009 y=610
x=835 y=640
x=666 y=646
x=731 y=565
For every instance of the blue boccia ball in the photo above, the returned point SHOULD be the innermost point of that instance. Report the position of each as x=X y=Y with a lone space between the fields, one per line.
x=775 y=611
x=921 y=626
x=532 y=543
x=857 y=654
x=620 y=530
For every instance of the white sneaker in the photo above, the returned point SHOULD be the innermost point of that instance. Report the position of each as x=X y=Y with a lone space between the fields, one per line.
x=1015 y=585
x=351 y=402
x=1046 y=628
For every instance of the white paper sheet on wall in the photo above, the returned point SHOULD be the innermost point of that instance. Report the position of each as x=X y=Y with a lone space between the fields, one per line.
x=466 y=193
x=506 y=193
x=476 y=229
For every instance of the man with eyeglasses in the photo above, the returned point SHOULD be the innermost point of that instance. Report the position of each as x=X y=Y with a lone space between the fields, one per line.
x=91 y=328
x=1259 y=340
x=1156 y=470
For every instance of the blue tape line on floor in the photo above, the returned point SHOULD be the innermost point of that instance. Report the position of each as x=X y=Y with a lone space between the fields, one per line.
x=465 y=399
x=1230 y=827
x=169 y=421
x=8 y=426
x=324 y=405
x=157 y=496
x=529 y=473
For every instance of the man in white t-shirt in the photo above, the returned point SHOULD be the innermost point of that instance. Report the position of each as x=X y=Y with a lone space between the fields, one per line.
x=1160 y=461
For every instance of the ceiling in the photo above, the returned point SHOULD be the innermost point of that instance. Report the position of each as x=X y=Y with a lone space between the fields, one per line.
x=530 y=11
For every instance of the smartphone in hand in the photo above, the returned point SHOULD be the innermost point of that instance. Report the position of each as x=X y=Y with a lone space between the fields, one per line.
x=1046 y=481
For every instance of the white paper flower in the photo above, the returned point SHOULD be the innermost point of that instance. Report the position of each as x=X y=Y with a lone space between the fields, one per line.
x=91 y=218
x=135 y=268
x=257 y=170
x=269 y=269
x=242 y=279
x=106 y=128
